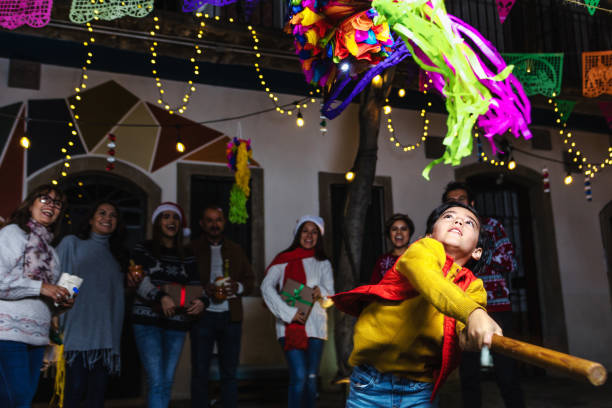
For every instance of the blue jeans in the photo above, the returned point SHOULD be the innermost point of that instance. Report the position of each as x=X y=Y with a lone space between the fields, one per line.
x=371 y=388
x=211 y=327
x=303 y=371
x=159 y=350
x=20 y=367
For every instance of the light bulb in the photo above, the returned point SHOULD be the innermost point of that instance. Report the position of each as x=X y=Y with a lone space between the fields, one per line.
x=511 y=165
x=401 y=93
x=300 y=120
x=568 y=179
x=349 y=176
x=24 y=142
x=377 y=80
x=180 y=147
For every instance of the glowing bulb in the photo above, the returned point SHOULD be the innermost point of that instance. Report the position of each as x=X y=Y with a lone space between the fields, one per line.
x=300 y=120
x=180 y=147
x=345 y=66
x=349 y=176
x=24 y=142
x=511 y=165
x=401 y=93
x=377 y=80
x=387 y=109
x=568 y=179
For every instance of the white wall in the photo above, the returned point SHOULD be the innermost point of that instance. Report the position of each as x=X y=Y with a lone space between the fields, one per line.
x=292 y=157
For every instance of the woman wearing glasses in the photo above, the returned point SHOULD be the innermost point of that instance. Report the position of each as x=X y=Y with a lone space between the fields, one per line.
x=92 y=329
x=29 y=269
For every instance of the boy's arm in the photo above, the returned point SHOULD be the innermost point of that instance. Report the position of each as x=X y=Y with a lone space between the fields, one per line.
x=478 y=294
x=422 y=264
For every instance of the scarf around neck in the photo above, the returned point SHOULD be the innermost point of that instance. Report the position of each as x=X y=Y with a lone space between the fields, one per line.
x=295 y=333
x=38 y=258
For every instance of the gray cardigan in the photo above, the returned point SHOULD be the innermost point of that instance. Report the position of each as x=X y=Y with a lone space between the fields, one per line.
x=24 y=315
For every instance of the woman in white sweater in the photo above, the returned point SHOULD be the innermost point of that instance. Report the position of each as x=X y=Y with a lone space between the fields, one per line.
x=301 y=336
x=29 y=269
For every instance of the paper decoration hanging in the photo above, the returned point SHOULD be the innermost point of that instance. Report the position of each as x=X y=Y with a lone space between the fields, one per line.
x=587 y=188
x=596 y=73
x=15 y=13
x=591 y=5
x=111 y=152
x=239 y=153
x=343 y=42
x=538 y=73
x=82 y=11
x=565 y=109
x=503 y=8
x=546 y=180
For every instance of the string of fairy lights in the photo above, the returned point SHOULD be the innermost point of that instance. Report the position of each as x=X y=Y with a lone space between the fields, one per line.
x=181 y=107
x=387 y=110
x=273 y=97
x=590 y=169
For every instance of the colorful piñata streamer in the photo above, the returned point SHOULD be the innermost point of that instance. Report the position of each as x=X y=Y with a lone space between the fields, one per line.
x=239 y=153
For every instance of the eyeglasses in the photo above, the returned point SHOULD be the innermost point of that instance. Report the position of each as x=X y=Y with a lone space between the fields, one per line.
x=45 y=199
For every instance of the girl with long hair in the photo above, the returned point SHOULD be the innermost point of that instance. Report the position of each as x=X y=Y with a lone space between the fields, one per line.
x=301 y=337
x=160 y=324
x=92 y=329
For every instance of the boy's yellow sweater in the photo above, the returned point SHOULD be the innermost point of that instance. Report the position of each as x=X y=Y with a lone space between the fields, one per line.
x=405 y=338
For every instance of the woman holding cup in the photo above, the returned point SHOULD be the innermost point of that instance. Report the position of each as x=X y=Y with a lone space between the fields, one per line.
x=163 y=266
x=29 y=270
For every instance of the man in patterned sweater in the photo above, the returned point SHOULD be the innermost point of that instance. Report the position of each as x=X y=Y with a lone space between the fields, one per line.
x=500 y=265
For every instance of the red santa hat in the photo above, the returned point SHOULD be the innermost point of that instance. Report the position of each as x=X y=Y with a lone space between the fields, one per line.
x=175 y=208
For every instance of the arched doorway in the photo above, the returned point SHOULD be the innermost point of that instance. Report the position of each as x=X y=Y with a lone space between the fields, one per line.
x=136 y=195
x=518 y=200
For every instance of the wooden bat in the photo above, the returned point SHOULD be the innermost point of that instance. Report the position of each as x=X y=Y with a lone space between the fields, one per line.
x=575 y=367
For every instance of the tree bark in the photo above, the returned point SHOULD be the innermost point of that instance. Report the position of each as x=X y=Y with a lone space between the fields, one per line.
x=356 y=207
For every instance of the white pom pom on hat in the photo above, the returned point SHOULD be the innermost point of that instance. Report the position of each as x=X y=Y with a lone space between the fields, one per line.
x=175 y=208
x=318 y=221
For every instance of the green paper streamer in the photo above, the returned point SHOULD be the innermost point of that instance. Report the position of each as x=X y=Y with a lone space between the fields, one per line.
x=466 y=97
x=538 y=73
x=238 y=212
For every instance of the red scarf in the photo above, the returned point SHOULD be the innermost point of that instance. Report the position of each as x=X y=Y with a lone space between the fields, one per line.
x=295 y=333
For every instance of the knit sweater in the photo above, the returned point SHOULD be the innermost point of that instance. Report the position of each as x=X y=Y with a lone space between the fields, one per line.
x=405 y=338
x=93 y=325
x=499 y=267
x=167 y=268
x=24 y=315
x=382 y=265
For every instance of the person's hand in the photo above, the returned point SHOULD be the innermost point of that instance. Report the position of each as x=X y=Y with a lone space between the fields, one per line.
x=230 y=287
x=299 y=317
x=479 y=331
x=316 y=293
x=56 y=293
x=67 y=303
x=195 y=307
x=135 y=275
x=168 y=306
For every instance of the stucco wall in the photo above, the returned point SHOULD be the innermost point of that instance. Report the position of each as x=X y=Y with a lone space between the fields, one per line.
x=292 y=157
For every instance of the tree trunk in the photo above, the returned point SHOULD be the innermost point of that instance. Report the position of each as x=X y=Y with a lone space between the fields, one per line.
x=356 y=207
